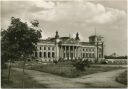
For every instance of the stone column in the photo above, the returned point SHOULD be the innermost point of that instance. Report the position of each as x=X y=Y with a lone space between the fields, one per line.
x=51 y=54
x=57 y=52
x=81 y=52
x=69 y=52
x=76 y=52
x=62 y=52
x=46 y=54
x=65 y=52
x=73 y=52
x=42 y=52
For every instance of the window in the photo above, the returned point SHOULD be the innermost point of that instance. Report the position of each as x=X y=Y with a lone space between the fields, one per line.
x=40 y=54
x=90 y=55
x=48 y=48
x=53 y=54
x=40 y=48
x=67 y=55
x=44 y=54
x=93 y=55
x=35 y=54
x=71 y=55
x=83 y=49
x=64 y=55
x=86 y=54
x=44 y=48
x=83 y=55
x=49 y=55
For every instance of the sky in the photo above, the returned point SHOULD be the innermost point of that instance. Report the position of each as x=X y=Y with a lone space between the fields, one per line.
x=108 y=17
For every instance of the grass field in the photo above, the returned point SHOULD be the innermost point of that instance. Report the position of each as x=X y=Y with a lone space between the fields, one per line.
x=122 y=78
x=65 y=69
x=16 y=80
x=69 y=70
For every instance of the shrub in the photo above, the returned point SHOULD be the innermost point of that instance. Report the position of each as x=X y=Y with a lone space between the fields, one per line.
x=122 y=78
x=55 y=61
x=80 y=64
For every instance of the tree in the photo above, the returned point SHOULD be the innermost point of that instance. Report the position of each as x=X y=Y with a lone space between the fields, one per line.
x=7 y=51
x=19 y=40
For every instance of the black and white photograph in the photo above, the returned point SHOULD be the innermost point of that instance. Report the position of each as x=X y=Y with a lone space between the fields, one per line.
x=64 y=44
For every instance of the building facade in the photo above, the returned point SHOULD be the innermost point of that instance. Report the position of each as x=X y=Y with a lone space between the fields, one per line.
x=67 y=48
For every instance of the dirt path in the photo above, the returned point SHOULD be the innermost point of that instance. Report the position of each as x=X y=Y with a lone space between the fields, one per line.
x=103 y=79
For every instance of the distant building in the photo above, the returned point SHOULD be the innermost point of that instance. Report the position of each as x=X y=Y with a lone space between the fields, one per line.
x=67 y=48
x=113 y=55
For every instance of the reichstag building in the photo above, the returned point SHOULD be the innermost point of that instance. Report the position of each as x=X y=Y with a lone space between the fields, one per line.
x=67 y=48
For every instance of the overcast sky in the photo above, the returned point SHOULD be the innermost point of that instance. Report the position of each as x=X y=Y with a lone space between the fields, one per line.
x=109 y=17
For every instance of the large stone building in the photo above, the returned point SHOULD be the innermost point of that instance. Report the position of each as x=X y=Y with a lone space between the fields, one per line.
x=67 y=48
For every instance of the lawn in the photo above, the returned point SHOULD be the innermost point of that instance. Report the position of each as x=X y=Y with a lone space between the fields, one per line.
x=70 y=71
x=65 y=69
x=16 y=80
x=122 y=78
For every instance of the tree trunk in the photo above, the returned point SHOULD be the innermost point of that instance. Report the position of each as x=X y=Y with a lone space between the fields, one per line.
x=23 y=73
x=9 y=71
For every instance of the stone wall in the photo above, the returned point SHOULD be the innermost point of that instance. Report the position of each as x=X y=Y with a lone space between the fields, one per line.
x=116 y=61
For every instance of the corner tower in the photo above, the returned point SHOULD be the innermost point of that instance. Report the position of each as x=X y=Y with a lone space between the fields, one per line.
x=77 y=37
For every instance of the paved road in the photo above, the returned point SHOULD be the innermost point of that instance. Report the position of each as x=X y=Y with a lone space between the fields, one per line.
x=103 y=79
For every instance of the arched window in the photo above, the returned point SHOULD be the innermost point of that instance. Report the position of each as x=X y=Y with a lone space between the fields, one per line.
x=83 y=55
x=44 y=48
x=90 y=55
x=35 y=54
x=93 y=55
x=48 y=48
x=64 y=55
x=49 y=55
x=53 y=54
x=44 y=54
x=86 y=54
x=40 y=48
x=71 y=55
x=40 y=54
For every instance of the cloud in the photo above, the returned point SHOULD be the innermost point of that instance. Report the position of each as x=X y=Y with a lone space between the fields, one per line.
x=74 y=10
x=44 y=4
x=87 y=12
